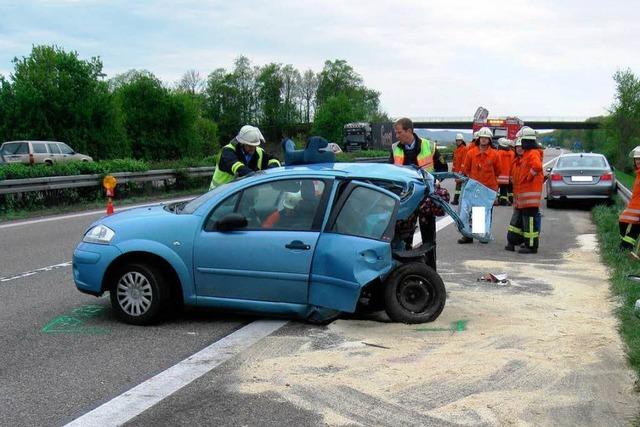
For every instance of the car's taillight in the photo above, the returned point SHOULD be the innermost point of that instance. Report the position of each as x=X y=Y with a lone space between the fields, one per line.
x=31 y=159
x=606 y=177
x=556 y=177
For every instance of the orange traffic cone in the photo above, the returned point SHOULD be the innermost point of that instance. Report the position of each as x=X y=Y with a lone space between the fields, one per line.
x=109 y=206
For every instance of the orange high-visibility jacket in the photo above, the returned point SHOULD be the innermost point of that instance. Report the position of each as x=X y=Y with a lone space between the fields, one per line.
x=528 y=180
x=631 y=214
x=458 y=158
x=471 y=149
x=505 y=157
x=483 y=166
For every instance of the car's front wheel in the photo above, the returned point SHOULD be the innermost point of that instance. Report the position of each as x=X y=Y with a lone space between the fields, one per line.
x=139 y=294
x=414 y=293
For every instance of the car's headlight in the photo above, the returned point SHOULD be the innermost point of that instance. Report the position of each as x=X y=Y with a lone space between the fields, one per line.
x=99 y=234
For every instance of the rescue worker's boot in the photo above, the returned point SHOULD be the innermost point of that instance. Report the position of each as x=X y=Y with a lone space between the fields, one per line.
x=509 y=247
x=464 y=240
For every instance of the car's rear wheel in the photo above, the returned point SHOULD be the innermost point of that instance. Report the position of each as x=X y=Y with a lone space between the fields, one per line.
x=139 y=294
x=414 y=293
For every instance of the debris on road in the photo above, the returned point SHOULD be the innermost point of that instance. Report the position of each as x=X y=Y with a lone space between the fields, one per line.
x=375 y=345
x=494 y=278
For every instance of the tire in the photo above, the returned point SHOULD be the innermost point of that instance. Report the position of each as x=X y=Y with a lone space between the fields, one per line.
x=131 y=284
x=414 y=293
x=551 y=204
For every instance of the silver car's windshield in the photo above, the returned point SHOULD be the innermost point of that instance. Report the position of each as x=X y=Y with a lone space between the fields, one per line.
x=581 y=162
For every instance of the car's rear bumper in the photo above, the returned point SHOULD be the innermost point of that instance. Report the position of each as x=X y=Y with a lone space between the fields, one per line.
x=575 y=191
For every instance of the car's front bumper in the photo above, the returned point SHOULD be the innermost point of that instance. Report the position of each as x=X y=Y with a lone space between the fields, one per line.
x=90 y=262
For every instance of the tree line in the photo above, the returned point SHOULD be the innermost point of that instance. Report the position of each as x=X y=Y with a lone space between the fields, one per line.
x=619 y=131
x=53 y=94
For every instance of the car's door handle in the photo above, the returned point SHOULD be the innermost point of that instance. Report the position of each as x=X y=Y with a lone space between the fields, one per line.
x=297 y=244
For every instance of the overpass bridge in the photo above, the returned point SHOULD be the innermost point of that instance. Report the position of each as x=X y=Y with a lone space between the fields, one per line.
x=536 y=122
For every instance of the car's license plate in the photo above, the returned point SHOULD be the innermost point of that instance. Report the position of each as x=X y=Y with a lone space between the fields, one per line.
x=581 y=179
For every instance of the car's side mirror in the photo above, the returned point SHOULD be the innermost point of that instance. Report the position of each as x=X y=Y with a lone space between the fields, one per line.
x=232 y=221
x=548 y=169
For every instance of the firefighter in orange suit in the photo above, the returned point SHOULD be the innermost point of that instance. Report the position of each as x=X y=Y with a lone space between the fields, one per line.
x=527 y=192
x=505 y=157
x=629 y=221
x=458 y=164
x=482 y=165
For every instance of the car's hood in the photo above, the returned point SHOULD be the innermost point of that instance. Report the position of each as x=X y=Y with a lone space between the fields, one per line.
x=128 y=216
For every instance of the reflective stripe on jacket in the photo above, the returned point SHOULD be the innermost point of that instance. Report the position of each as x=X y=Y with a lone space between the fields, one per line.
x=505 y=158
x=424 y=159
x=631 y=214
x=221 y=177
x=528 y=180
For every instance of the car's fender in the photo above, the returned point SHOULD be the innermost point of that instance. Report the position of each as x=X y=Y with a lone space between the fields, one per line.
x=169 y=255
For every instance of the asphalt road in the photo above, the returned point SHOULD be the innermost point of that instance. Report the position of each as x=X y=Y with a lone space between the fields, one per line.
x=63 y=353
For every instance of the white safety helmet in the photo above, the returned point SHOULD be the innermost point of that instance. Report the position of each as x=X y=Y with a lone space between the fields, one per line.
x=249 y=135
x=635 y=153
x=291 y=200
x=484 y=132
x=526 y=133
x=459 y=137
x=503 y=142
x=518 y=143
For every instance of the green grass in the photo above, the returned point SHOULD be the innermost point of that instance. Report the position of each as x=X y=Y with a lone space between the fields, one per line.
x=625 y=179
x=91 y=205
x=620 y=265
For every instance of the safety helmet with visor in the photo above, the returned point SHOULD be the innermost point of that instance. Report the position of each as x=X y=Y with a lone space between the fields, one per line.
x=250 y=135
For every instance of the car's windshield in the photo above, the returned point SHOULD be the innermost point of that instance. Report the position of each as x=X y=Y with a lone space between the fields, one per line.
x=191 y=207
x=581 y=162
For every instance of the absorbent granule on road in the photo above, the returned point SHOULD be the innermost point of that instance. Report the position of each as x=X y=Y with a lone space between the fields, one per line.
x=525 y=357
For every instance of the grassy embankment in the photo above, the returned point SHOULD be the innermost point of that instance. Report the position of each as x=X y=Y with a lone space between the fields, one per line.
x=620 y=266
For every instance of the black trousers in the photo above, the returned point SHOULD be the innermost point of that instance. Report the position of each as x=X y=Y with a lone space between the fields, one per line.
x=524 y=228
x=628 y=235
x=456 y=196
x=427 y=224
x=503 y=198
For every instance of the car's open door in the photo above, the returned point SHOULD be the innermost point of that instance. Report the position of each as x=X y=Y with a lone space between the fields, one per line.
x=355 y=247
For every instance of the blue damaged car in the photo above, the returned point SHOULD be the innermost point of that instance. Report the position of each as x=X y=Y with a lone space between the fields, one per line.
x=307 y=241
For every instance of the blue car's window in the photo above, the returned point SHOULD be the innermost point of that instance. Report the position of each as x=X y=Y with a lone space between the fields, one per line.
x=226 y=207
x=290 y=204
x=366 y=213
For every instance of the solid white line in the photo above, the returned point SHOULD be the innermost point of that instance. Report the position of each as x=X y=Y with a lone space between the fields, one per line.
x=132 y=403
x=88 y=213
x=36 y=271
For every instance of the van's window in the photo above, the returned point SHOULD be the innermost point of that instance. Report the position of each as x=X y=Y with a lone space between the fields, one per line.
x=39 y=148
x=15 y=148
x=65 y=149
x=53 y=148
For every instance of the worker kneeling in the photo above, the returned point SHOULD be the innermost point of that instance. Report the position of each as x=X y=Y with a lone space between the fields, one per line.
x=528 y=179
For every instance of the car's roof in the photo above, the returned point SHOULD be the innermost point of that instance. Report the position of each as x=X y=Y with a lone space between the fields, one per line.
x=30 y=140
x=384 y=171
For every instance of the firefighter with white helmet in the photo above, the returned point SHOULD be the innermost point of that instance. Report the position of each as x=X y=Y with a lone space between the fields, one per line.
x=242 y=156
x=528 y=179
x=482 y=165
x=629 y=220
x=458 y=164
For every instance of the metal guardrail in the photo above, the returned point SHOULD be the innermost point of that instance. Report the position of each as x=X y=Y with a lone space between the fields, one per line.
x=11 y=186
x=623 y=191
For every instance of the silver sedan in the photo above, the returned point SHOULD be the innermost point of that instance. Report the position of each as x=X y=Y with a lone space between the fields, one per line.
x=583 y=176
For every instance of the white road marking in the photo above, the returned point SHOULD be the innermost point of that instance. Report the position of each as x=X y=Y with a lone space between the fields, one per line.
x=132 y=403
x=88 y=213
x=36 y=271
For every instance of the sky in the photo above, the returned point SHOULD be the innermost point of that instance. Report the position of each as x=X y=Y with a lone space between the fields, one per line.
x=426 y=58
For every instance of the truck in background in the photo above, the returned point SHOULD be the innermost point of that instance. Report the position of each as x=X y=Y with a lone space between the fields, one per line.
x=506 y=127
x=366 y=136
